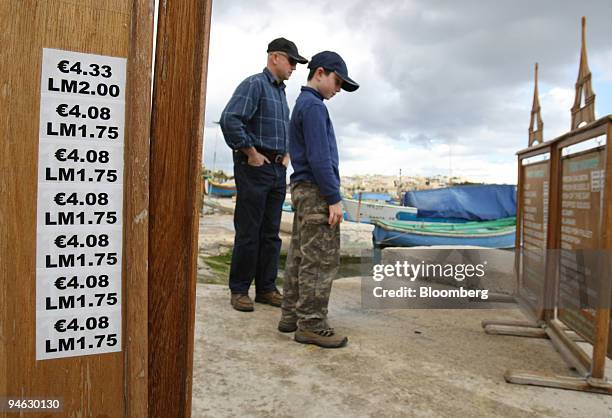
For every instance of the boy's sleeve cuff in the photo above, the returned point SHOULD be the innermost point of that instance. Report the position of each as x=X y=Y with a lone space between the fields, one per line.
x=333 y=199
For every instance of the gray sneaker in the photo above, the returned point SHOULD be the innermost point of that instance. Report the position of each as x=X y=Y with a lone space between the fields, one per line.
x=325 y=338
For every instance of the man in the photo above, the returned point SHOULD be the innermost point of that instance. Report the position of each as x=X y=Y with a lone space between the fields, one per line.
x=314 y=254
x=255 y=125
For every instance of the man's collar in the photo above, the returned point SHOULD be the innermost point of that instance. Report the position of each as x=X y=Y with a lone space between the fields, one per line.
x=272 y=78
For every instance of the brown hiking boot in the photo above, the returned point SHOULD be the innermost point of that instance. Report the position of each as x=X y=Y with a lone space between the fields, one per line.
x=242 y=302
x=325 y=338
x=273 y=298
x=287 y=324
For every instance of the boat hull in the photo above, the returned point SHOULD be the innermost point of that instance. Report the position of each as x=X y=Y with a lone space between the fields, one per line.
x=221 y=190
x=367 y=212
x=491 y=234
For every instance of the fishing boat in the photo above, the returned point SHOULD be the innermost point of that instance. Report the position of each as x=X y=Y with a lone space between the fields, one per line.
x=221 y=189
x=499 y=233
x=375 y=196
x=366 y=211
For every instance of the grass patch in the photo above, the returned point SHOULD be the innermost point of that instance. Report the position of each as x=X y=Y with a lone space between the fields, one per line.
x=220 y=267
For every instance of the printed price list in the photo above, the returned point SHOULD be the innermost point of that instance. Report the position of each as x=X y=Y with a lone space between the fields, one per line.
x=534 y=229
x=581 y=202
x=80 y=204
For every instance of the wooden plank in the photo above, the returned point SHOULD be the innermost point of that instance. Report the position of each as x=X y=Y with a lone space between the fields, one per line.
x=98 y=27
x=519 y=223
x=575 y=337
x=607 y=228
x=592 y=130
x=555 y=381
x=136 y=223
x=602 y=316
x=568 y=138
x=498 y=297
x=176 y=152
x=516 y=331
x=571 y=353
x=513 y=323
x=552 y=235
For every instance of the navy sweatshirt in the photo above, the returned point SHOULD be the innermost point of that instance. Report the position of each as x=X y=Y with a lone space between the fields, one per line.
x=312 y=145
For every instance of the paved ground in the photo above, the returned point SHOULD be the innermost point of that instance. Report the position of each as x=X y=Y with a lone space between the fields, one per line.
x=399 y=363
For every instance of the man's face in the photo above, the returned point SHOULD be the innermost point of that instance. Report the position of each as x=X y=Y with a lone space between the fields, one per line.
x=285 y=65
x=329 y=85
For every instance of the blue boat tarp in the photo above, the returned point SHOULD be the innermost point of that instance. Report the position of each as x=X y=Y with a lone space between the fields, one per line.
x=477 y=203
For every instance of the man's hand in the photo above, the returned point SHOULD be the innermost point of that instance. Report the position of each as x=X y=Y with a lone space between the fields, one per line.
x=335 y=214
x=286 y=160
x=255 y=159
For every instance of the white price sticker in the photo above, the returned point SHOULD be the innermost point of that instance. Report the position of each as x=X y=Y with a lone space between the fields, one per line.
x=79 y=243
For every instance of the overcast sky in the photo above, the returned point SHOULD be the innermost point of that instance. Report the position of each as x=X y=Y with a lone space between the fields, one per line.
x=446 y=86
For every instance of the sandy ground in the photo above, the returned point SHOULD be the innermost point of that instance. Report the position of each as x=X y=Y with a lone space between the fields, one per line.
x=398 y=363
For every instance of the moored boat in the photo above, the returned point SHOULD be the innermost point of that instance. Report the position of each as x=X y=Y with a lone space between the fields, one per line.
x=499 y=233
x=367 y=211
x=221 y=189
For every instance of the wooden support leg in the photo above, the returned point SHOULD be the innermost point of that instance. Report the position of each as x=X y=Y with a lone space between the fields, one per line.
x=496 y=297
x=526 y=324
x=573 y=355
x=523 y=329
x=559 y=382
x=518 y=331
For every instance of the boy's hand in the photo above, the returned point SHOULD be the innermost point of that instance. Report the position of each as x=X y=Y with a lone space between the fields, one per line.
x=286 y=160
x=335 y=214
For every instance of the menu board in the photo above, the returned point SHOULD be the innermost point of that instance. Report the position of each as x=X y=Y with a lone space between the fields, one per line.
x=534 y=223
x=79 y=204
x=582 y=187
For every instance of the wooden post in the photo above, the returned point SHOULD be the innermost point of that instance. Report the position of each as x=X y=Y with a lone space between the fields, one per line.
x=602 y=316
x=176 y=152
x=552 y=235
x=112 y=384
x=138 y=117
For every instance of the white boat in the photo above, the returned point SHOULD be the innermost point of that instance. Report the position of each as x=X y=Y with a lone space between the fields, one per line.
x=366 y=211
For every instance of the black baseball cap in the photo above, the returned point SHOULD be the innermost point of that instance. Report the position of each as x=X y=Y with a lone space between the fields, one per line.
x=288 y=47
x=334 y=62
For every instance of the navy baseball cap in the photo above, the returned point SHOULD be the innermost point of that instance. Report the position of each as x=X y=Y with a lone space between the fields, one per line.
x=288 y=47
x=334 y=62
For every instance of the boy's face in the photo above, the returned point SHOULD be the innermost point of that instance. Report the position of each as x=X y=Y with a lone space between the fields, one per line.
x=329 y=84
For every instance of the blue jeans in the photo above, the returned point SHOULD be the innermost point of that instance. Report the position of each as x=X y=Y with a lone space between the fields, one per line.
x=259 y=202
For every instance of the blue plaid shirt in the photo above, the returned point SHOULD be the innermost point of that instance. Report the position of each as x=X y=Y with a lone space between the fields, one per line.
x=257 y=115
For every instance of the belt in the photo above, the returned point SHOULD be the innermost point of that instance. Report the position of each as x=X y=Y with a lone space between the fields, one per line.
x=272 y=156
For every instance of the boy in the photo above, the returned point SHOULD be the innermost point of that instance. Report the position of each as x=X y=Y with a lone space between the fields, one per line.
x=314 y=254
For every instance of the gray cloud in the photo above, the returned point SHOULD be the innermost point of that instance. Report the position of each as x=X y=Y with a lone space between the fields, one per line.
x=453 y=65
x=444 y=71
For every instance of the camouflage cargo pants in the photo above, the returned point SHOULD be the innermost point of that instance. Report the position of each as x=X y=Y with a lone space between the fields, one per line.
x=312 y=261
